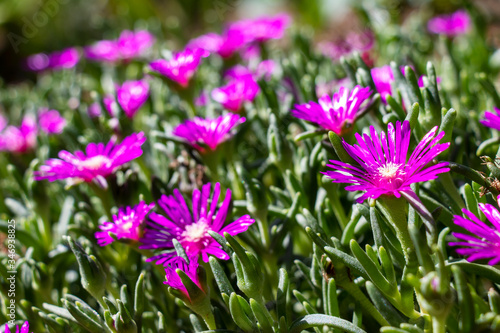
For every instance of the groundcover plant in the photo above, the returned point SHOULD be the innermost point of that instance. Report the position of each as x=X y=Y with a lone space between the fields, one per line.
x=284 y=172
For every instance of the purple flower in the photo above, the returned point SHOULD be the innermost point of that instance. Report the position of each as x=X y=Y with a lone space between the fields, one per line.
x=126 y=224
x=98 y=161
x=360 y=42
x=23 y=329
x=384 y=167
x=132 y=95
x=451 y=25
x=236 y=92
x=262 y=28
x=209 y=43
x=181 y=67
x=172 y=278
x=133 y=44
x=190 y=227
x=50 y=121
x=20 y=139
x=383 y=78
x=484 y=243
x=202 y=99
x=201 y=132
x=336 y=114
x=110 y=105
x=492 y=119
x=94 y=110
x=104 y=50
x=265 y=69
x=67 y=58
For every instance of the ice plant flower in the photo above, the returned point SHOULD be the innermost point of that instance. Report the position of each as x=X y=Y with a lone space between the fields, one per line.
x=492 y=119
x=103 y=50
x=190 y=227
x=110 y=105
x=94 y=110
x=20 y=139
x=451 y=25
x=338 y=113
x=384 y=167
x=236 y=92
x=383 y=78
x=181 y=67
x=50 y=121
x=265 y=69
x=172 y=278
x=23 y=329
x=360 y=42
x=98 y=161
x=126 y=224
x=67 y=58
x=209 y=43
x=131 y=95
x=262 y=28
x=203 y=132
x=484 y=240
x=132 y=44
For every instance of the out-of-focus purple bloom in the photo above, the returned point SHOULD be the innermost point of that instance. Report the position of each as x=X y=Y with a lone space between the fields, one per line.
x=94 y=110
x=236 y=92
x=3 y=122
x=250 y=52
x=131 y=95
x=172 y=278
x=110 y=105
x=329 y=87
x=98 y=161
x=23 y=329
x=134 y=44
x=354 y=42
x=201 y=100
x=209 y=43
x=383 y=78
x=384 y=167
x=190 y=227
x=181 y=67
x=491 y=119
x=336 y=114
x=484 y=243
x=265 y=69
x=51 y=121
x=451 y=25
x=262 y=28
x=67 y=58
x=421 y=80
x=126 y=224
x=103 y=50
x=201 y=132
x=238 y=72
x=20 y=139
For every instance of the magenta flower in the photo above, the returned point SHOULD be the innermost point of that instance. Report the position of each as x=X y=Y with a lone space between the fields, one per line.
x=98 y=161
x=360 y=42
x=209 y=43
x=384 y=167
x=94 y=110
x=190 y=227
x=20 y=139
x=202 y=99
x=132 y=95
x=336 y=114
x=383 y=78
x=126 y=224
x=134 y=44
x=23 y=329
x=110 y=105
x=329 y=87
x=172 y=278
x=201 y=132
x=265 y=69
x=51 y=121
x=67 y=58
x=484 y=243
x=181 y=67
x=104 y=50
x=262 y=28
x=451 y=25
x=236 y=92
x=492 y=119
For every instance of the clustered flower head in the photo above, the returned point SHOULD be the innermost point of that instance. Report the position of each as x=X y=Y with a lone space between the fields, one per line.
x=483 y=242
x=67 y=58
x=336 y=114
x=98 y=161
x=20 y=139
x=190 y=227
x=131 y=95
x=51 y=121
x=451 y=25
x=181 y=67
x=25 y=328
x=383 y=164
x=172 y=278
x=208 y=132
x=128 y=46
x=126 y=224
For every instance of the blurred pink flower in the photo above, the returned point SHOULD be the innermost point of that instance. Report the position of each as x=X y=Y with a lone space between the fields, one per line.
x=67 y=58
x=94 y=110
x=491 y=119
x=236 y=92
x=103 y=50
x=51 y=121
x=451 y=25
x=20 y=139
x=23 y=329
x=181 y=67
x=383 y=78
x=134 y=44
x=172 y=277
x=131 y=95
x=262 y=28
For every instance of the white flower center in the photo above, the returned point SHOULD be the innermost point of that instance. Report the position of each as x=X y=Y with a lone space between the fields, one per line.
x=94 y=162
x=390 y=171
x=196 y=232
